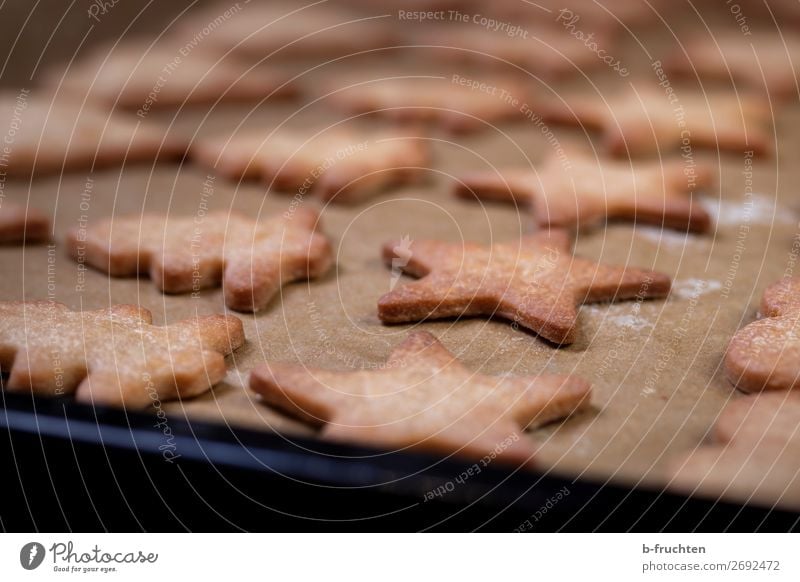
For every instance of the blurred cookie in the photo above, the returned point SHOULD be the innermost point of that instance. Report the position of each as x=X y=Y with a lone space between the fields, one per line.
x=581 y=191
x=251 y=259
x=765 y=354
x=424 y=398
x=65 y=135
x=455 y=103
x=22 y=224
x=142 y=77
x=112 y=356
x=339 y=165
x=535 y=282
x=751 y=420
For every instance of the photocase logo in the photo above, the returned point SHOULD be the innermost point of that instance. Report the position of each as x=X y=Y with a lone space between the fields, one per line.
x=31 y=555
x=402 y=252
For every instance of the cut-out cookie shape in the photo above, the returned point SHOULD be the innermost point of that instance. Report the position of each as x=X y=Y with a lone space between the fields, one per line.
x=145 y=77
x=590 y=191
x=535 y=282
x=650 y=121
x=765 y=354
x=459 y=104
x=69 y=135
x=251 y=259
x=112 y=356
x=773 y=417
x=761 y=61
x=424 y=398
x=338 y=165
x=270 y=30
x=22 y=224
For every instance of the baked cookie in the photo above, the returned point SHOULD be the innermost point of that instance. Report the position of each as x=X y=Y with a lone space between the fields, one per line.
x=142 y=77
x=112 y=356
x=650 y=121
x=339 y=165
x=268 y=30
x=762 y=61
x=456 y=103
x=65 y=135
x=751 y=420
x=22 y=224
x=251 y=259
x=765 y=354
x=590 y=191
x=535 y=282
x=424 y=398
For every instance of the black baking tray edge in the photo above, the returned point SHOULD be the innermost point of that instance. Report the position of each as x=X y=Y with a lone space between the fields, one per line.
x=72 y=467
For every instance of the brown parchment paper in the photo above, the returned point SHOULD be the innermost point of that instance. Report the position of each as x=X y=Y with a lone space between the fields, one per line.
x=656 y=368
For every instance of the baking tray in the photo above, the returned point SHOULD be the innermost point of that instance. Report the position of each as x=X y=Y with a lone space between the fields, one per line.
x=80 y=468
x=83 y=468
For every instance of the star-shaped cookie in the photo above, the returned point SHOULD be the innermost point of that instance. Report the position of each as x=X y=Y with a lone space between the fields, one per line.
x=19 y=223
x=426 y=399
x=112 y=356
x=765 y=354
x=457 y=103
x=66 y=134
x=535 y=282
x=251 y=259
x=145 y=77
x=761 y=61
x=340 y=165
x=591 y=191
x=651 y=121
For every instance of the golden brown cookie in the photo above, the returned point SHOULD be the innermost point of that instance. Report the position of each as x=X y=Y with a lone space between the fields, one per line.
x=22 y=224
x=457 y=103
x=251 y=259
x=764 y=355
x=270 y=30
x=65 y=135
x=766 y=474
x=112 y=356
x=590 y=191
x=654 y=121
x=535 y=282
x=426 y=399
x=339 y=165
x=143 y=77
x=763 y=61
x=751 y=420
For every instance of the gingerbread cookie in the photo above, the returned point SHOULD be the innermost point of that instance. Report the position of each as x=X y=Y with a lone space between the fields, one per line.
x=535 y=282
x=456 y=103
x=66 y=135
x=765 y=354
x=424 y=398
x=339 y=165
x=282 y=29
x=651 y=121
x=754 y=419
x=251 y=259
x=590 y=191
x=762 y=61
x=144 y=77
x=22 y=224
x=112 y=356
